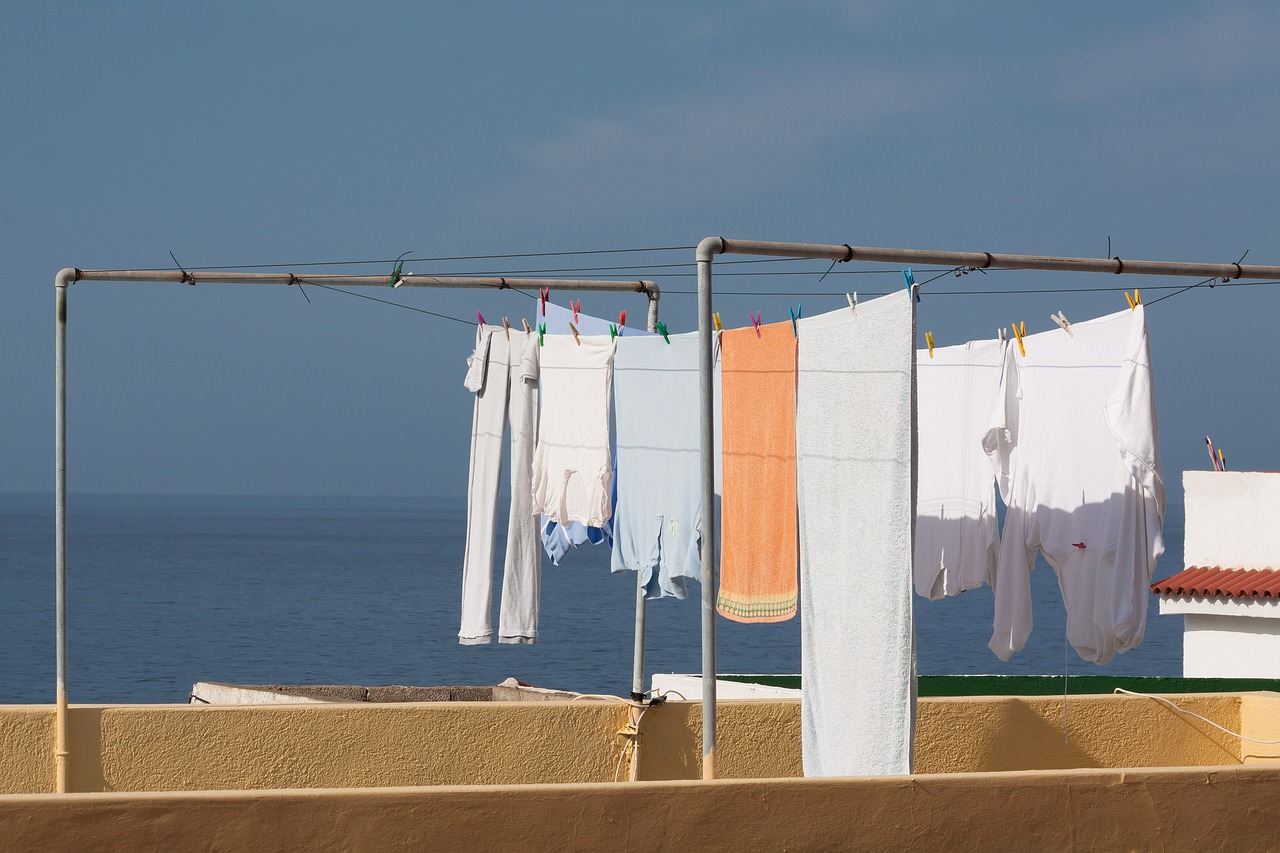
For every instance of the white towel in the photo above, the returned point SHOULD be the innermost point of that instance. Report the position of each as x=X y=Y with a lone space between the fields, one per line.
x=856 y=460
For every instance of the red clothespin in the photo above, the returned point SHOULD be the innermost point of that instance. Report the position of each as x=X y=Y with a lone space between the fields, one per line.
x=575 y=306
x=755 y=321
x=544 y=296
x=574 y=329
x=1079 y=545
x=622 y=318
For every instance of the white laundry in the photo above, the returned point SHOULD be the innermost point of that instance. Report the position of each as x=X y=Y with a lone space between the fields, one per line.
x=1075 y=440
x=503 y=374
x=855 y=458
x=572 y=467
x=957 y=532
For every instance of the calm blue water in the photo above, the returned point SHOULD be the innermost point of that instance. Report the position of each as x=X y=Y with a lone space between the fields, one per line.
x=167 y=591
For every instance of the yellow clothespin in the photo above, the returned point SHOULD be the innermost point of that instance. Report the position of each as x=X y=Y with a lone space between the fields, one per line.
x=1135 y=300
x=506 y=327
x=1020 y=332
x=715 y=319
x=527 y=330
x=576 y=339
x=928 y=339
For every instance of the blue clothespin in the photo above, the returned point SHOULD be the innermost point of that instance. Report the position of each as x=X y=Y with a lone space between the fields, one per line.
x=542 y=330
x=613 y=331
x=661 y=328
x=910 y=278
x=795 y=315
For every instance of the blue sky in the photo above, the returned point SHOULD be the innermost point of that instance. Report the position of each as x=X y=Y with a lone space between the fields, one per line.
x=285 y=132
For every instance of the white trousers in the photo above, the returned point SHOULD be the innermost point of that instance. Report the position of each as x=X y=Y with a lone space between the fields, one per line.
x=506 y=392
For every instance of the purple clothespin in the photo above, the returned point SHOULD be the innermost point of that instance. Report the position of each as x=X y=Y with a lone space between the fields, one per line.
x=755 y=321
x=480 y=318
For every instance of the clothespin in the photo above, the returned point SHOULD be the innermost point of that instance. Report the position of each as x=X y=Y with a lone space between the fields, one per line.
x=576 y=339
x=506 y=327
x=661 y=328
x=910 y=278
x=1002 y=335
x=715 y=321
x=542 y=332
x=1222 y=457
x=755 y=321
x=1061 y=320
x=480 y=318
x=395 y=274
x=1134 y=301
x=928 y=339
x=1020 y=332
x=544 y=296
x=622 y=318
x=575 y=306
x=853 y=303
x=795 y=315
x=613 y=331
x=525 y=323
x=1212 y=456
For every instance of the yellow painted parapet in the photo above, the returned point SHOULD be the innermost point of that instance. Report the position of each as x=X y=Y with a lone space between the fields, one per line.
x=140 y=748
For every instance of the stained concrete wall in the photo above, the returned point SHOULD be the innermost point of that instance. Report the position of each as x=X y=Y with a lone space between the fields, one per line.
x=1187 y=810
x=187 y=748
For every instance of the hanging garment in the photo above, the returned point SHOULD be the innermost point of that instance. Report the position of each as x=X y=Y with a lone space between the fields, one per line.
x=505 y=383
x=957 y=532
x=1075 y=441
x=572 y=471
x=855 y=473
x=557 y=541
x=658 y=523
x=758 y=507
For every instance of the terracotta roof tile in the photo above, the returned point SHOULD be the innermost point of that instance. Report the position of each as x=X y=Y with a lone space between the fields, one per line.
x=1217 y=581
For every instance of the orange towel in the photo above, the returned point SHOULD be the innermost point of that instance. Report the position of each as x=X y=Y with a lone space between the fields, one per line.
x=758 y=510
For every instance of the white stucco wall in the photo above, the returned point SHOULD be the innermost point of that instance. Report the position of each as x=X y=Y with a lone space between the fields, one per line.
x=1232 y=519
x=1225 y=646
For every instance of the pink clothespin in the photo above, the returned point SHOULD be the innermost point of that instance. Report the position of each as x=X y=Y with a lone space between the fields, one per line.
x=544 y=296
x=576 y=306
x=755 y=322
x=480 y=317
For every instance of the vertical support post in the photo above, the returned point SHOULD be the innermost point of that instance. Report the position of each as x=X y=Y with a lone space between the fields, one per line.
x=61 y=283
x=706 y=389
x=642 y=606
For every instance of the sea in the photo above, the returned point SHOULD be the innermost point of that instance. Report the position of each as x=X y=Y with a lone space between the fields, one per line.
x=166 y=591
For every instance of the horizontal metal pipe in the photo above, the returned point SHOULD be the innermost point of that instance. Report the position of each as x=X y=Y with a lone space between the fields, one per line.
x=406 y=280
x=988 y=260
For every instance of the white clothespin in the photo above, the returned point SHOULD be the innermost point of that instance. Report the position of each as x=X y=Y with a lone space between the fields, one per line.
x=853 y=303
x=1061 y=320
x=1001 y=335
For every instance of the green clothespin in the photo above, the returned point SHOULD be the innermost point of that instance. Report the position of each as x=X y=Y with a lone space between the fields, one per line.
x=613 y=331
x=542 y=330
x=395 y=273
x=661 y=328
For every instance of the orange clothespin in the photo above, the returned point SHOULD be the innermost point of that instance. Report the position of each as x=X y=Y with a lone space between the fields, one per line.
x=1134 y=301
x=1020 y=332
x=576 y=339
x=715 y=321
x=928 y=339
x=622 y=318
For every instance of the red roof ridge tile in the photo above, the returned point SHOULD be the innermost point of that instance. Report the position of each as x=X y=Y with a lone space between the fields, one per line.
x=1219 y=581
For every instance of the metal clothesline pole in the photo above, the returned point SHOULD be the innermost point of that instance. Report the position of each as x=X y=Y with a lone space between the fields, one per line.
x=67 y=276
x=709 y=247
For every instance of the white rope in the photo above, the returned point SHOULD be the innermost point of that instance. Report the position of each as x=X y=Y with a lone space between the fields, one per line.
x=1181 y=710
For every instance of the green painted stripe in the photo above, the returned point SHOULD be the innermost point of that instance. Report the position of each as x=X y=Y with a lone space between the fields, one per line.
x=1047 y=685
